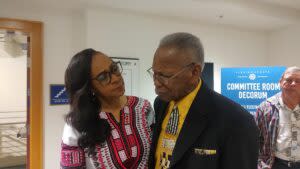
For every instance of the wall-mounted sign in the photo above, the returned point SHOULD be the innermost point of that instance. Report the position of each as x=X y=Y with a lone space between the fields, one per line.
x=249 y=86
x=58 y=94
x=130 y=74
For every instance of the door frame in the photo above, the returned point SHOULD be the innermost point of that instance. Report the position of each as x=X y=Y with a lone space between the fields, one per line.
x=34 y=30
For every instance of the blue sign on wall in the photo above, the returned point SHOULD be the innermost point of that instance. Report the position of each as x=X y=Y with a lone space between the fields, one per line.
x=250 y=86
x=58 y=94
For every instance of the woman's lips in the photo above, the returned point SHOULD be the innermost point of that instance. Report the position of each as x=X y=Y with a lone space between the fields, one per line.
x=120 y=87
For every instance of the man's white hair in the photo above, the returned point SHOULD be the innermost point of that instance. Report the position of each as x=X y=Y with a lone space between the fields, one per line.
x=291 y=70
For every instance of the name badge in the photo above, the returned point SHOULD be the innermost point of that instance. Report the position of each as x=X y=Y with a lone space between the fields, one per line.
x=169 y=144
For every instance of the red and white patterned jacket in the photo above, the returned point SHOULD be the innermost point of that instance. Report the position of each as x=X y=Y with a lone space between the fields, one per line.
x=128 y=145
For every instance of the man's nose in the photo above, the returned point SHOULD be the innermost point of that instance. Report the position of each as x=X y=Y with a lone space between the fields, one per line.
x=294 y=82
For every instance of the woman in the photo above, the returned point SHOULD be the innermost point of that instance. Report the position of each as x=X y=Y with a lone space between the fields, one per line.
x=104 y=128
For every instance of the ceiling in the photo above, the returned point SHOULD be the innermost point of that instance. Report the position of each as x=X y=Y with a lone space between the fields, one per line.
x=263 y=15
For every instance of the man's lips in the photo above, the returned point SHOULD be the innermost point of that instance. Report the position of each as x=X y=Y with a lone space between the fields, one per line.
x=160 y=91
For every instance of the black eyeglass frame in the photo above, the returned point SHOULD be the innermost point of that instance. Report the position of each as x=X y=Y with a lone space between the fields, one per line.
x=108 y=74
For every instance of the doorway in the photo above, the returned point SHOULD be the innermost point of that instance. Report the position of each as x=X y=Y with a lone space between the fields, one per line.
x=33 y=124
x=13 y=98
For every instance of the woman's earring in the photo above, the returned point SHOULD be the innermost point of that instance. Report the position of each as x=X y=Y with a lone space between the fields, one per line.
x=94 y=98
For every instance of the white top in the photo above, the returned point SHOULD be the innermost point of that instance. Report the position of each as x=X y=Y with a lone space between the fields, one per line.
x=70 y=137
x=288 y=140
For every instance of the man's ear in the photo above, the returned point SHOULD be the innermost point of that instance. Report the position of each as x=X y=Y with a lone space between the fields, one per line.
x=197 y=70
x=281 y=80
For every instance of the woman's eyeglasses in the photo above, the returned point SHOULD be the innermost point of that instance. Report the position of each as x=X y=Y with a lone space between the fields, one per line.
x=105 y=77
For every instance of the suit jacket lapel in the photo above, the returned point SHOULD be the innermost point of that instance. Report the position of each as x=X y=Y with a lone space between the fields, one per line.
x=194 y=124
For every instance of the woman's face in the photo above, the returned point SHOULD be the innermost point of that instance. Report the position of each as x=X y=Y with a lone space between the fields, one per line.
x=106 y=77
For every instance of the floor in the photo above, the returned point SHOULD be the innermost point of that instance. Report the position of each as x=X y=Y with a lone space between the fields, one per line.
x=16 y=167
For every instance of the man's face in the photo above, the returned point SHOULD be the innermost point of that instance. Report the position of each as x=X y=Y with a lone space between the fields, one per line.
x=172 y=73
x=290 y=84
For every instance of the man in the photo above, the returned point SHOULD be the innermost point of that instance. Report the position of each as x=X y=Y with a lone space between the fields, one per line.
x=196 y=128
x=278 y=119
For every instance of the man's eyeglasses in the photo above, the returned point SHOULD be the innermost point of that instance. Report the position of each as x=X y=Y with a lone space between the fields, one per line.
x=105 y=77
x=290 y=81
x=165 y=79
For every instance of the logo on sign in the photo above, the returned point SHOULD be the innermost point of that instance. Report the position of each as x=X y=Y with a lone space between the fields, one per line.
x=252 y=76
x=58 y=95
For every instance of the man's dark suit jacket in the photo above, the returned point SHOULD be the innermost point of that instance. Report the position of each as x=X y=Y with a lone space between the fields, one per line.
x=212 y=123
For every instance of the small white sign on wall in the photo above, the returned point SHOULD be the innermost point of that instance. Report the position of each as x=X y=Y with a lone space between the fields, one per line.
x=130 y=74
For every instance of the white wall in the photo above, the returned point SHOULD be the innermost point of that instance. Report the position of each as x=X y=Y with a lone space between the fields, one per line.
x=62 y=40
x=284 y=47
x=132 y=35
x=128 y=35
